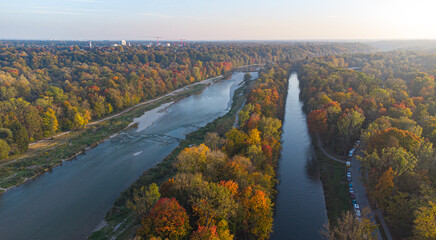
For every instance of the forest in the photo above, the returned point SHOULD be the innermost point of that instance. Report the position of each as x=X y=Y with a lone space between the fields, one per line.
x=387 y=100
x=46 y=89
x=223 y=188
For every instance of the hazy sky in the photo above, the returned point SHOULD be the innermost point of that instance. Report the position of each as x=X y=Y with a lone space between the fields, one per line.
x=218 y=19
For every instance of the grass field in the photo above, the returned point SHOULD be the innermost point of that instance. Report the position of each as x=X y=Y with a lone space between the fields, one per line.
x=335 y=186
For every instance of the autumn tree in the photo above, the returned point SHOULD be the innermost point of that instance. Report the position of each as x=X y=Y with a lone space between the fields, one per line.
x=383 y=190
x=349 y=227
x=167 y=219
x=317 y=121
x=257 y=214
x=425 y=222
x=213 y=140
x=193 y=159
x=236 y=141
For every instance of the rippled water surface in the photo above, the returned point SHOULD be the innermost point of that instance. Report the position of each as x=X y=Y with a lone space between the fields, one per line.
x=70 y=201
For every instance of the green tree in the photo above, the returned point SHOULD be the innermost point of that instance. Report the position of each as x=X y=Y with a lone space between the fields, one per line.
x=144 y=199
x=5 y=134
x=21 y=138
x=349 y=126
x=4 y=149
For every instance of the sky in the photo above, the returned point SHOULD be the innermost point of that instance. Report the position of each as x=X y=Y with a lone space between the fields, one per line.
x=217 y=19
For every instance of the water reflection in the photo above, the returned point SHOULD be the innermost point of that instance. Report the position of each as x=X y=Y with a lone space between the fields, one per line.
x=300 y=208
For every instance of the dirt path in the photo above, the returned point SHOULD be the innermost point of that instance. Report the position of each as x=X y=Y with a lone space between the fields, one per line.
x=318 y=138
x=206 y=81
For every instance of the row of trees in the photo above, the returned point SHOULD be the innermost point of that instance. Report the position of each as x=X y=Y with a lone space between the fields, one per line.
x=224 y=187
x=389 y=103
x=48 y=89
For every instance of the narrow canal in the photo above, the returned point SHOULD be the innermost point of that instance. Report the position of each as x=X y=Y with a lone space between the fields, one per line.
x=70 y=201
x=300 y=206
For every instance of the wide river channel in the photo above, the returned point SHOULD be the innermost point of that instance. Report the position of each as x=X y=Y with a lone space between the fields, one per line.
x=300 y=206
x=71 y=201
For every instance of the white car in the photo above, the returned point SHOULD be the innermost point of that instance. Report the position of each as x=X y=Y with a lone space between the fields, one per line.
x=356 y=207
x=358 y=213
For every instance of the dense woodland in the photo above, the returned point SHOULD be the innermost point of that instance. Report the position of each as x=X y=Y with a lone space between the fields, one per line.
x=47 y=89
x=223 y=188
x=388 y=101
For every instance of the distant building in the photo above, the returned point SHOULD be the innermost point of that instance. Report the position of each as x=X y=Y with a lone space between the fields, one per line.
x=123 y=43
x=90 y=44
x=115 y=45
x=168 y=45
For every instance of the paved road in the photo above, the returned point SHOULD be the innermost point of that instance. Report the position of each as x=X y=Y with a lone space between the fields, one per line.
x=362 y=198
x=359 y=189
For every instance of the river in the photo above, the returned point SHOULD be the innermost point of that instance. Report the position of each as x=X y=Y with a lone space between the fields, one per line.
x=71 y=201
x=300 y=206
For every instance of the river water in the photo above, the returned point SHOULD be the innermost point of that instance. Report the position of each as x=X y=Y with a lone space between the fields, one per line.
x=70 y=201
x=300 y=206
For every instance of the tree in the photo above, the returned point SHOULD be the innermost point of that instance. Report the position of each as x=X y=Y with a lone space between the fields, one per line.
x=236 y=141
x=247 y=77
x=50 y=122
x=167 y=219
x=144 y=199
x=21 y=138
x=192 y=159
x=383 y=189
x=257 y=214
x=213 y=140
x=220 y=232
x=317 y=121
x=425 y=222
x=349 y=125
x=349 y=227
x=4 y=149
x=5 y=134
x=399 y=213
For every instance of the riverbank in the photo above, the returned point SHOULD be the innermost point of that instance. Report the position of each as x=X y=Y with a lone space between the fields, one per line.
x=120 y=220
x=42 y=156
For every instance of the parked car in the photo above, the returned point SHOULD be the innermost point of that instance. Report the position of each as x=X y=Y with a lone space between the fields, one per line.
x=348 y=163
x=358 y=213
x=356 y=207
x=354 y=201
x=350 y=185
x=351 y=190
x=349 y=178
x=352 y=196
